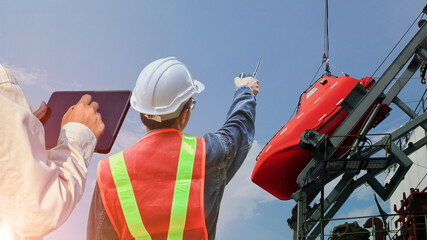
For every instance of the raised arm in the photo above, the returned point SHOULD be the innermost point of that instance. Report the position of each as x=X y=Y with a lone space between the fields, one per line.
x=237 y=133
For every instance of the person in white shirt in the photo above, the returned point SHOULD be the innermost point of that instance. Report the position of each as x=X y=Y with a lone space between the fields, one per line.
x=39 y=188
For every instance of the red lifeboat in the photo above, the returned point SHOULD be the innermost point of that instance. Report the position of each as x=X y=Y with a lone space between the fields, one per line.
x=282 y=160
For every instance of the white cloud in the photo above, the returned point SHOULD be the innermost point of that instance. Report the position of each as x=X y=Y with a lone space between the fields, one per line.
x=353 y=216
x=363 y=193
x=360 y=212
x=241 y=196
x=77 y=85
x=126 y=139
x=32 y=77
x=328 y=188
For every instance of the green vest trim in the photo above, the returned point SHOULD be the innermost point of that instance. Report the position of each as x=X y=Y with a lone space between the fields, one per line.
x=180 y=197
x=181 y=192
x=127 y=197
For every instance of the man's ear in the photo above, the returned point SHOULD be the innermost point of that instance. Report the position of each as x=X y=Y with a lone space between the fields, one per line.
x=183 y=117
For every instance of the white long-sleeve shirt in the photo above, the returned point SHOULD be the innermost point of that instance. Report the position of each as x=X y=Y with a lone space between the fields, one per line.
x=38 y=188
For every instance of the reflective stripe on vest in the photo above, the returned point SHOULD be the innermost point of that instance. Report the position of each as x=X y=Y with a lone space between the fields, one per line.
x=180 y=196
x=127 y=197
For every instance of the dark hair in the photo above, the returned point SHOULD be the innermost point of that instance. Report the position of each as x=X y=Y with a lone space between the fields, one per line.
x=151 y=124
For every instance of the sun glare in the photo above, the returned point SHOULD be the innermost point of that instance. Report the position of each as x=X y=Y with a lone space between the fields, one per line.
x=5 y=232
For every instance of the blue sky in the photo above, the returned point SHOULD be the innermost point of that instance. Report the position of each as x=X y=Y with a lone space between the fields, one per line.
x=103 y=45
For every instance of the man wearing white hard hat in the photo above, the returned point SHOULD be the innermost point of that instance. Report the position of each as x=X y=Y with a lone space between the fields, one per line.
x=169 y=185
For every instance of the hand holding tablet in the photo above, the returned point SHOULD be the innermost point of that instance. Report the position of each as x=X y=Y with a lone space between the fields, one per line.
x=86 y=112
x=90 y=108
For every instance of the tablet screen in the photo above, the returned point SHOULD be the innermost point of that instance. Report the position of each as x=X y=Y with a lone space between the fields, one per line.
x=113 y=107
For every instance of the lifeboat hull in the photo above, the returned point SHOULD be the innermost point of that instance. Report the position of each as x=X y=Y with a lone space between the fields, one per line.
x=282 y=159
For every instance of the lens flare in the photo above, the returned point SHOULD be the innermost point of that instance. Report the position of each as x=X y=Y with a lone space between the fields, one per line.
x=5 y=231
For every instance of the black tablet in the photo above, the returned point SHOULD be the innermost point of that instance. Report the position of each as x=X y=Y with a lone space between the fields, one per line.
x=113 y=107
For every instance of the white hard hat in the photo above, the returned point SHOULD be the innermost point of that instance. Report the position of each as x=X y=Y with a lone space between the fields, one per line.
x=162 y=89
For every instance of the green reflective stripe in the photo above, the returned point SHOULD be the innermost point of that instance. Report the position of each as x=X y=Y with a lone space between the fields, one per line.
x=127 y=197
x=182 y=187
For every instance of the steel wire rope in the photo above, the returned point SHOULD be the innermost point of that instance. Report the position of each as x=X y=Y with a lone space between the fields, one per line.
x=401 y=78
x=326 y=39
x=419 y=15
x=421 y=181
x=421 y=166
x=343 y=73
x=321 y=64
x=325 y=57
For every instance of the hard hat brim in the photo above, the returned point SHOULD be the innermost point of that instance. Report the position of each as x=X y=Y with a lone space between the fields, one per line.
x=199 y=86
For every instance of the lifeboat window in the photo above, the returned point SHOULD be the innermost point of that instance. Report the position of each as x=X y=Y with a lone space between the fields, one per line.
x=310 y=92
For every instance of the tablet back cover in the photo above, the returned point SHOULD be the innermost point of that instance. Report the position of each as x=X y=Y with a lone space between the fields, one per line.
x=113 y=107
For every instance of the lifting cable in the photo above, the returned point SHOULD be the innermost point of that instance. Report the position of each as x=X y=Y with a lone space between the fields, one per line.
x=326 y=41
x=424 y=64
x=398 y=44
x=325 y=58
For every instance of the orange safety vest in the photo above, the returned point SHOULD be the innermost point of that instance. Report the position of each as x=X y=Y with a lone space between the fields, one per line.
x=154 y=189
